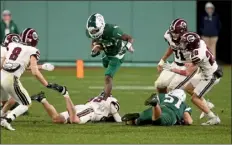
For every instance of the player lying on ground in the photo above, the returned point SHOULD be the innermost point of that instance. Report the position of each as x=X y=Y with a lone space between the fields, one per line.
x=167 y=109
x=113 y=41
x=168 y=78
x=210 y=74
x=95 y=110
x=18 y=56
x=11 y=104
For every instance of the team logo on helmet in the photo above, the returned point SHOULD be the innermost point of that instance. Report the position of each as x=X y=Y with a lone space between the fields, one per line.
x=190 y=38
x=35 y=36
x=15 y=39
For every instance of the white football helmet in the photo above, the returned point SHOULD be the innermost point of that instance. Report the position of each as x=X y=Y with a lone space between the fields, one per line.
x=95 y=25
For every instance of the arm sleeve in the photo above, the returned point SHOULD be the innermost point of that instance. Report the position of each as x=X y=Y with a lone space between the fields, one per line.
x=35 y=52
x=115 y=113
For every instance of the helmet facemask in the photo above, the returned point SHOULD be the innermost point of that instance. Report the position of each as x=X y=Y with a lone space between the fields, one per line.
x=95 y=25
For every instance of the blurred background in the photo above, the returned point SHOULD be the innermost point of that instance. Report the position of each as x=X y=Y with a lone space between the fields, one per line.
x=61 y=26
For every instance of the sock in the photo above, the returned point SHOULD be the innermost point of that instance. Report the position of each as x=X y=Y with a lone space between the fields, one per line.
x=19 y=110
x=211 y=115
x=43 y=100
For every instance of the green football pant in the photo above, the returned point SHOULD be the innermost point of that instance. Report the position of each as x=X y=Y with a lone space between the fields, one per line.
x=112 y=65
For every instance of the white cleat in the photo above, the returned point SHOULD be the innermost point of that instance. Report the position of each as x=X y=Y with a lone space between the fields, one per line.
x=210 y=105
x=6 y=125
x=213 y=121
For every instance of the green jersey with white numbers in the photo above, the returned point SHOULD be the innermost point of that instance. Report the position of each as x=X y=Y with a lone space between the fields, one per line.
x=176 y=105
x=111 y=41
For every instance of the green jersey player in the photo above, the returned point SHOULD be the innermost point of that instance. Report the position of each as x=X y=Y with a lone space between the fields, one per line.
x=112 y=41
x=167 y=109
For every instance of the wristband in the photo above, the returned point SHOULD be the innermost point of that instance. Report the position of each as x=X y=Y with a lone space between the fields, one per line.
x=128 y=45
x=161 y=63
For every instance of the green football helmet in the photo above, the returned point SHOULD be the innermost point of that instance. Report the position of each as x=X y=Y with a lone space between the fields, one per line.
x=95 y=25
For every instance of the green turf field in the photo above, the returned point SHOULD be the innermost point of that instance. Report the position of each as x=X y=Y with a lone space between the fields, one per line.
x=137 y=84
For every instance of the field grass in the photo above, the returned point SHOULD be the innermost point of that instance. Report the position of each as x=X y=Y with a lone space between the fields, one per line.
x=37 y=127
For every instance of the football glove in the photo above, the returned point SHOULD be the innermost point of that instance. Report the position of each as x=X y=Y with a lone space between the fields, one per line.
x=94 y=54
x=61 y=89
x=48 y=67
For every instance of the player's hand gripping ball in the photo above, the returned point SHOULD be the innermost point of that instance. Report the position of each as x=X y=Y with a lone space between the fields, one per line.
x=96 y=49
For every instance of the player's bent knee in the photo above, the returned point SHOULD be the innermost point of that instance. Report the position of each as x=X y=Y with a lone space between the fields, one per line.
x=108 y=79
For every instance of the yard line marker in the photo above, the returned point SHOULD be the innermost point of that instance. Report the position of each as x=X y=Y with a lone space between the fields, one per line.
x=125 y=87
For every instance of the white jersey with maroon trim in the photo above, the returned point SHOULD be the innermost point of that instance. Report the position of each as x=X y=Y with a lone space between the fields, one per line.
x=205 y=60
x=18 y=57
x=103 y=108
x=180 y=55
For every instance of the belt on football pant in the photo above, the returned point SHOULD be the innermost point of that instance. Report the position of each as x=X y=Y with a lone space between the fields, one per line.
x=179 y=64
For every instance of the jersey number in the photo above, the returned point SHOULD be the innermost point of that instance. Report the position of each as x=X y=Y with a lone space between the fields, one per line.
x=170 y=99
x=98 y=99
x=15 y=53
x=179 y=55
x=209 y=55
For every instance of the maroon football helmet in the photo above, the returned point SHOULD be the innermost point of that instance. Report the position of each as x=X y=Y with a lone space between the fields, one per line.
x=30 y=37
x=11 y=38
x=190 y=41
x=177 y=28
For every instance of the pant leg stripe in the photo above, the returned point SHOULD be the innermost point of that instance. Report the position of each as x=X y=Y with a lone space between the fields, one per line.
x=20 y=93
x=186 y=80
x=207 y=87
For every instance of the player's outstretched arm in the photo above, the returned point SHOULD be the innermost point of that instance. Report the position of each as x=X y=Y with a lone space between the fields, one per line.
x=35 y=71
x=190 y=69
x=73 y=118
x=45 y=66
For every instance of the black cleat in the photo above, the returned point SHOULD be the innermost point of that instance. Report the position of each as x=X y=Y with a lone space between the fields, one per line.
x=147 y=102
x=38 y=97
x=154 y=101
x=130 y=117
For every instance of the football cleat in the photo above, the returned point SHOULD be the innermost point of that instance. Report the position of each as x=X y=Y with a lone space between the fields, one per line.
x=6 y=125
x=213 y=121
x=210 y=105
x=153 y=100
x=130 y=116
x=153 y=95
x=38 y=97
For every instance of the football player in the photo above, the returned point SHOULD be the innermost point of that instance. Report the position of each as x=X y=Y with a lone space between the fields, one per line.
x=95 y=110
x=210 y=73
x=18 y=56
x=172 y=36
x=113 y=41
x=167 y=109
x=11 y=104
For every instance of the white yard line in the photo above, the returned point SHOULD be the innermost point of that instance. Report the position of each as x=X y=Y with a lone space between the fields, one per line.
x=125 y=87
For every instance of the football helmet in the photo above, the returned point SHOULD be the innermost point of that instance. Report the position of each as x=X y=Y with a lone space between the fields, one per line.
x=30 y=37
x=178 y=93
x=95 y=25
x=11 y=38
x=177 y=28
x=190 y=41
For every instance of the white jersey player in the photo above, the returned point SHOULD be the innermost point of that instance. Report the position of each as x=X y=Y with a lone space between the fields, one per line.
x=18 y=57
x=210 y=73
x=9 y=38
x=95 y=110
x=169 y=79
